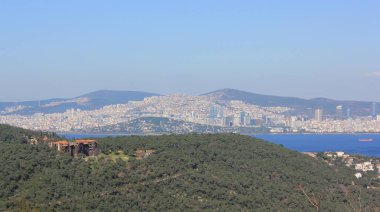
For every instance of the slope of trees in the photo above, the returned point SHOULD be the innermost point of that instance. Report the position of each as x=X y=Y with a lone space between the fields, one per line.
x=19 y=135
x=186 y=172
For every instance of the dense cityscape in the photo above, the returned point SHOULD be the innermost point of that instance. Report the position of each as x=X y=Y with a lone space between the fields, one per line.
x=204 y=110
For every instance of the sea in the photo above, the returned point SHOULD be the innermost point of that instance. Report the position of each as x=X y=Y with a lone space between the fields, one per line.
x=349 y=143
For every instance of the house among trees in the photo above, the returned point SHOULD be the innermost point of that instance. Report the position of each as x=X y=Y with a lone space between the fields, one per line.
x=73 y=148
x=141 y=154
x=32 y=140
x=36 y=140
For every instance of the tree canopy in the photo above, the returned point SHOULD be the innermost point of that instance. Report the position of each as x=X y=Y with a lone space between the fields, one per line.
x=225 y=172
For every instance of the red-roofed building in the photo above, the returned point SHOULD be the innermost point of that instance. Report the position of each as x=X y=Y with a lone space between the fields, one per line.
x=87 y=147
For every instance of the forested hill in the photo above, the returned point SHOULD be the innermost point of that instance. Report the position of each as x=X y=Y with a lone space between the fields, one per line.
x=220 y=172
x=20 y=135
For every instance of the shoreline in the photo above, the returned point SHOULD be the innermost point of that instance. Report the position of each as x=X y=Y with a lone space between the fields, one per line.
x=332 y=133
x=250 y=134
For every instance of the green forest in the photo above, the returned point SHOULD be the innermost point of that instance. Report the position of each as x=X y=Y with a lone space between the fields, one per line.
x=211 y=172
x=9 y=134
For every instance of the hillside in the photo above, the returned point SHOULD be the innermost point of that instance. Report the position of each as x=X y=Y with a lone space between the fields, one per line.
x=10 y=134
x=90 y=101
x=224 y=172
x=300 y=105
x=98 y=99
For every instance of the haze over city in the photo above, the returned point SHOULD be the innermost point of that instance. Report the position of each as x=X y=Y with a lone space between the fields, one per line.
x=306 y=49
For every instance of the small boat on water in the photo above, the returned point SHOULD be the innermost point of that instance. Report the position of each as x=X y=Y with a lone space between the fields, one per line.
x=365 y=139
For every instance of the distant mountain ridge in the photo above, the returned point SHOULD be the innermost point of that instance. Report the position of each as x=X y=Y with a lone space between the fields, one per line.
x=90 y=101
x=299 y=104
x=101 y=98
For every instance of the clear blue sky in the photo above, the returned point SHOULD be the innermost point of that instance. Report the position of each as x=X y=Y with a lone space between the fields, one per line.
x=295 y=48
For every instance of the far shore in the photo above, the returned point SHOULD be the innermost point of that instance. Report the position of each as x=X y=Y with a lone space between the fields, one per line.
x=251 y=134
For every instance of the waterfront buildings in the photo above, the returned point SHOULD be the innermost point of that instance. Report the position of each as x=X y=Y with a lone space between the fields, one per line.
x=198 y=110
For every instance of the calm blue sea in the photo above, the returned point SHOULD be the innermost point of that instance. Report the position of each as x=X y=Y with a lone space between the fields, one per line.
x=308 y=142
x=327 y=142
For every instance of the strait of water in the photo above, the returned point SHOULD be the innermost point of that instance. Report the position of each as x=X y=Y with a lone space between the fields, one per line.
x=327 y=142
x=306 y=142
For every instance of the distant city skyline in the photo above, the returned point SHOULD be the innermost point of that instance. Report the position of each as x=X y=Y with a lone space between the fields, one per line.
x=62 y=49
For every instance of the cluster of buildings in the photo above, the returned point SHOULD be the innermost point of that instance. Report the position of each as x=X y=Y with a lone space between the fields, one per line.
x=339 y=123
x=195 y=109
x=365 y=166
x=360 y=125
x=203 y=110
x=76 y=147
x=73 y=148
x=359 y=164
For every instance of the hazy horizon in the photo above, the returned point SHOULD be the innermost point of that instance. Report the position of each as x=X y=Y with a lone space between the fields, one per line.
x=78 y=95
x=51 y=49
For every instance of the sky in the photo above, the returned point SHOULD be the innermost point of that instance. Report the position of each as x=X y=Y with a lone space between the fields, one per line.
x=289 y=48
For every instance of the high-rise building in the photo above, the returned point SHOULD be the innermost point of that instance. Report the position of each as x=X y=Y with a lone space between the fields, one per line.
x=213 y=112
x=247 y=120
x=237 y=120
x=374 y=109
x=242 y=118
x=348 y=113
x=318 y=114
x=339 y=112
x=221 y=112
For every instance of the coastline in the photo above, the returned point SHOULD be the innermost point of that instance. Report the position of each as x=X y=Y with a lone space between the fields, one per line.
x=269 y=133
x=301 y=142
